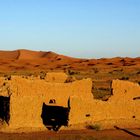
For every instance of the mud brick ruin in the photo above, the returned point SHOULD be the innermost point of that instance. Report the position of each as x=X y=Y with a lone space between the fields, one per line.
x=40 y=103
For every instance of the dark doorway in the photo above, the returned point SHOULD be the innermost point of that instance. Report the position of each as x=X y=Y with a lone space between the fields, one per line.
x=5 y=109
x=54 y=116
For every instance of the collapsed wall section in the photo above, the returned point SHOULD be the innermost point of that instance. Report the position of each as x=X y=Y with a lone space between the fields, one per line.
x=121 y=109
x=126 y=98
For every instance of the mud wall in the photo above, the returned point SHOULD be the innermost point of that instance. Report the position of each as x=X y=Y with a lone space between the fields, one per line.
x=25 y=112
x=28 y=96
x=57 y=77
x=119 y=110
x=58 y=91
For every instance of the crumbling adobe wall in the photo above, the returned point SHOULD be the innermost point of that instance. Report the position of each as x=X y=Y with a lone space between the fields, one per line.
x=81 y=110
x=119 y=110
x=124 y=93
x=25 y=111
x=58 y=91
x=28 y=96
x=57 y=77
x=62 y=91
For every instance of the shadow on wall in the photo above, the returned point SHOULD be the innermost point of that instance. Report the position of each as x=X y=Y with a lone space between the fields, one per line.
x=54 y=116
x=5 y=109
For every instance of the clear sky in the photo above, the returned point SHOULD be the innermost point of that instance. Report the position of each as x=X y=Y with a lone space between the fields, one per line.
x=79 y=28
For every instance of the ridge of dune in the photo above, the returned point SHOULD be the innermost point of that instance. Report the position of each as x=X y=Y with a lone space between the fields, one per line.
x=49 y=55
x=23 y=54
x=20 y=60
x=28 y=54
x=9 y=54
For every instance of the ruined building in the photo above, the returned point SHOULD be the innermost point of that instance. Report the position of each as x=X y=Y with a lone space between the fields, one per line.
x=53 y=102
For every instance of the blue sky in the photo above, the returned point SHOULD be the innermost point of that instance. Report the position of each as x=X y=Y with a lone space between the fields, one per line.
x=79 y=28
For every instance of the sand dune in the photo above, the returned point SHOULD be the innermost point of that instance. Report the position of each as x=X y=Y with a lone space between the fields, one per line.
x=103 y=68
x=23 y=54
x=9 y=54
x=27 y=54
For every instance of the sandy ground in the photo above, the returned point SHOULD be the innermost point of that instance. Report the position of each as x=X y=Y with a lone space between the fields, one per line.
x=72 y=135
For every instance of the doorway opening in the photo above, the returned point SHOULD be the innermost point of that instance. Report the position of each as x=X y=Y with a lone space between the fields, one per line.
x=54 y=116
x=5 y=109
